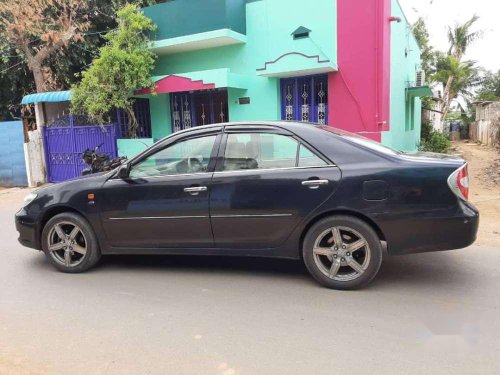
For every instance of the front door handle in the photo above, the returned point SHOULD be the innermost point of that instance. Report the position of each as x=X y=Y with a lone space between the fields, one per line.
x=195 y=190
x=314 y=184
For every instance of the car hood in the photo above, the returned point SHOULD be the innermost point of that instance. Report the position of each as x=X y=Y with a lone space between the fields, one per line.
x=91 y=180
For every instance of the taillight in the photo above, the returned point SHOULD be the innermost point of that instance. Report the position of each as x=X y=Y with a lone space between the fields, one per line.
x=459 y=182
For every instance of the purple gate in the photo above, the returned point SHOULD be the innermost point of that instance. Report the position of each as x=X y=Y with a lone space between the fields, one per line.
x=67 y=138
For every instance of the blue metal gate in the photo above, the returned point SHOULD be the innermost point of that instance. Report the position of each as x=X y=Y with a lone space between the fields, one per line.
x=67 y=138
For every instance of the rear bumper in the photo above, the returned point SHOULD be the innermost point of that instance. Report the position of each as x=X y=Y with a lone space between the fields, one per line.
x=435 y=232
x=29 y=235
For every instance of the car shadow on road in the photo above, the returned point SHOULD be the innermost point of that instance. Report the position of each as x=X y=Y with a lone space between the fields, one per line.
x=420 y=270
x=212 y=264
x=443 y=269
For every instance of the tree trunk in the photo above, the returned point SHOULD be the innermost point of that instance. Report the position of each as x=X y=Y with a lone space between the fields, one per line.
x=447 y=98
x=40 y=81
x=35 y=65
x=132 y=122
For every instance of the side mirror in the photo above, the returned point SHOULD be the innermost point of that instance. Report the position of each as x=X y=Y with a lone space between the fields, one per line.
x=123 y=171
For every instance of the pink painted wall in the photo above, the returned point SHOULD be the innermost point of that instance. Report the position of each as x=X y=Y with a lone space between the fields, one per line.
x=359 y=93
x=174 y=83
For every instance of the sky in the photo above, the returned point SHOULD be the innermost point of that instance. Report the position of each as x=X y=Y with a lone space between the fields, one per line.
x=438 y=14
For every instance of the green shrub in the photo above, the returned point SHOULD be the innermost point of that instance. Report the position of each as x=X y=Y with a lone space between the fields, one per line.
x=426 y=131
x=435 y=142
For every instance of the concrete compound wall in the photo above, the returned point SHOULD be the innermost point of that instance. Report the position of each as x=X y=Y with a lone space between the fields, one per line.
x=12 y=164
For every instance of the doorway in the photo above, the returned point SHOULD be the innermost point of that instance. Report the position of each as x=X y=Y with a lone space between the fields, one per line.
x=198 y=108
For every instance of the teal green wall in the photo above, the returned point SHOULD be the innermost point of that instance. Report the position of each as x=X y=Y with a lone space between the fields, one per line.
x=159 y=107
x=132 y=147
x=404 y=133
x=186 y=17
x=269 y=24
x=277 y=19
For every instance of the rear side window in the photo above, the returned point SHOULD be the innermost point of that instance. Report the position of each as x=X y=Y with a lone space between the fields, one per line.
x=266 y=151
x=308 y=159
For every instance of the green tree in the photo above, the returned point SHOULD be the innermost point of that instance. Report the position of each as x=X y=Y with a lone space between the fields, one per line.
x=490 y=88
x=421 y=33
x=461 y=78
x=460 y=37
x=427 y=54
x=40 y=29
x=124 y=64
x=16 y=79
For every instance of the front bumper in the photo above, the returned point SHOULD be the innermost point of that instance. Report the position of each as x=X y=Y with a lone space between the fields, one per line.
x=29 y=233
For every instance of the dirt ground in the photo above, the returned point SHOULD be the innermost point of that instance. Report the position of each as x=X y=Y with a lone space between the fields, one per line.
x=484 y=176
x=14 y=364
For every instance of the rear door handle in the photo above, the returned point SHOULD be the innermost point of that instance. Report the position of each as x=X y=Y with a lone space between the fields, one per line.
x=195 y=190
x=314 y=184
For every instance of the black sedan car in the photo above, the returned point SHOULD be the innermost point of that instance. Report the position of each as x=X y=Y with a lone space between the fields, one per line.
x=336 y=200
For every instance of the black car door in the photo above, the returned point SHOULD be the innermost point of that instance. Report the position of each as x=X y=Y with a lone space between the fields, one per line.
x=164 y=201
x=266 y=181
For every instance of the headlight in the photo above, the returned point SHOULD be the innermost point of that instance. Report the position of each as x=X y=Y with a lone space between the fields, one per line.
x=29 y=198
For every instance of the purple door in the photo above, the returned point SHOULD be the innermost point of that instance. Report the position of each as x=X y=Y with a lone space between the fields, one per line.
x=65 y=141
x=198 y=108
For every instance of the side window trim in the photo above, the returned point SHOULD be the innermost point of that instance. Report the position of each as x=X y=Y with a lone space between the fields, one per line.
x=297 y=155
x=219 y=165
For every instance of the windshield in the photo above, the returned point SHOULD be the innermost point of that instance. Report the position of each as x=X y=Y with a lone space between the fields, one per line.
x=360 y=140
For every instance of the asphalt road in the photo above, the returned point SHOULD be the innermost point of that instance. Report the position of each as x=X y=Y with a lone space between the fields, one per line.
x=430 y=313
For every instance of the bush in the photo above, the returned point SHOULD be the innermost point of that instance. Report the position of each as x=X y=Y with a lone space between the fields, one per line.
x=425 y=133
x=435 y=142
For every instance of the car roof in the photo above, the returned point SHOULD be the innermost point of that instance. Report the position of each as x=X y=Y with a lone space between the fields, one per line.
x=293 y=126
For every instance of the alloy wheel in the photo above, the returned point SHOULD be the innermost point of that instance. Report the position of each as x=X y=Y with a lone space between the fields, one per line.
x=341 y=253
x=67 y=244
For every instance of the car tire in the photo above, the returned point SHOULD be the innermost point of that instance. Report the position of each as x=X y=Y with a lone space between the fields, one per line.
x=342 y=252
x=78 y=250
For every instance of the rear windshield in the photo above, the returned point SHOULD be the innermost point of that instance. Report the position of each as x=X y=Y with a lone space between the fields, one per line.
x=360 y=140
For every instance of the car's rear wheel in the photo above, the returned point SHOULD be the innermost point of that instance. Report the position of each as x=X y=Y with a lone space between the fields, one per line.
x=342 y=252
x=69 y=243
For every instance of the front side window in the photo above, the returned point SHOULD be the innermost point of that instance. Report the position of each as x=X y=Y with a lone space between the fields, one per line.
x=266 y=151
x=189 y=156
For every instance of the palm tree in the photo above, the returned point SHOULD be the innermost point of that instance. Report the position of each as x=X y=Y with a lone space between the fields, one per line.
x=461 y=78
x=461 y=37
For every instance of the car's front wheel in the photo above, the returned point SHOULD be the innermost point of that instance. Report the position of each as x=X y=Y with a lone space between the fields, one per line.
x=342 y=252
x=69 y=243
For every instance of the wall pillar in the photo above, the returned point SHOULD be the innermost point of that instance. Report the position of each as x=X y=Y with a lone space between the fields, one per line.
x=34 y=151
x=161 y=123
